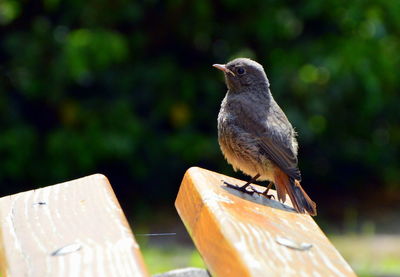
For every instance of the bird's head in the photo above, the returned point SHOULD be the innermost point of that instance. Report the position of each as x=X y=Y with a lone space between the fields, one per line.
x=242 y=74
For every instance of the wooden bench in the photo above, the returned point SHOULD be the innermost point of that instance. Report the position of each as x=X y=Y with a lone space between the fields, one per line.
x=242 y=235
x=77 y=228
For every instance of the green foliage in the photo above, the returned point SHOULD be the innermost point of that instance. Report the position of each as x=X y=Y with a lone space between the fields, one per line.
x=161 y=259
x=9 y=10
x=127 y=88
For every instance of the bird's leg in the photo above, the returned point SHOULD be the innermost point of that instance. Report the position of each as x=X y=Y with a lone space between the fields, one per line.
x=248 y=184
x=265 y=193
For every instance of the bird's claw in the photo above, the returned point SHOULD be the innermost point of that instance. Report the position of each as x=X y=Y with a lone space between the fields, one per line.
x=242 y=188
x=252 y=189
x=269 y=196
x=264 y=193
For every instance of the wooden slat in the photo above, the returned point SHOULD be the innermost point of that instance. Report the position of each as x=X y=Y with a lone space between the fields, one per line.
x=75 y=228
x=243 y=235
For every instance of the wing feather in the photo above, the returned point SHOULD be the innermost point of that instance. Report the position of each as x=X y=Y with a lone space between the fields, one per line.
x=274 y=135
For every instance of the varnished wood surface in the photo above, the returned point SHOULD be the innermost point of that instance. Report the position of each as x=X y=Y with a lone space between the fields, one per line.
x=76 y=228
x=243 y=235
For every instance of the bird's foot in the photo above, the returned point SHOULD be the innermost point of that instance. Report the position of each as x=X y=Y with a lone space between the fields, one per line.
x=242 y=188
x=269 y=196
x=265 y=193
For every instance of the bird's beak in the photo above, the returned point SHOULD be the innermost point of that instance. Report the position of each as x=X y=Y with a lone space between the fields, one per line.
x=223 y=68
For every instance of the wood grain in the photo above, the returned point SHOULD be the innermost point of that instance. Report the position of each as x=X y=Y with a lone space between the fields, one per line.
x=243 y=235
x=75 y=228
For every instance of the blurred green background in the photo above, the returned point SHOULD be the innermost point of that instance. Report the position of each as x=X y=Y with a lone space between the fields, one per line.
x=126 y=88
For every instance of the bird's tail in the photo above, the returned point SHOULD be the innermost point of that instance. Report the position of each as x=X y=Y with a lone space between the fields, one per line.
x=301 y=201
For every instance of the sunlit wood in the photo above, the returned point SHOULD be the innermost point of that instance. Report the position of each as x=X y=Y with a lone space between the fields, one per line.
x=75 y=228
x=244 y=235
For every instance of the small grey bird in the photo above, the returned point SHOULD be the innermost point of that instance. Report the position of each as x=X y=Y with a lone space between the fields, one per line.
x=255 y=135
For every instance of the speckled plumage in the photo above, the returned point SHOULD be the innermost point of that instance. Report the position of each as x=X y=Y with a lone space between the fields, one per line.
x=254 y=134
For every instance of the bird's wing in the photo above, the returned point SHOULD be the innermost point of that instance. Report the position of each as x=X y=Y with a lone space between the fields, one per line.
x=274 y=137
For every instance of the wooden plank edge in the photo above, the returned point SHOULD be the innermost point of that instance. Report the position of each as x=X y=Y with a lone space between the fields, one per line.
x=200 y=241
x=136 y=249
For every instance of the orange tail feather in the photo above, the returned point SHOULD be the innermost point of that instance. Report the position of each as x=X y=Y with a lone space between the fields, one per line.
x=300 y=200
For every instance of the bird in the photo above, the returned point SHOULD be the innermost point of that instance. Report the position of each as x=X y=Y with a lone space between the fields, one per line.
x=256 y=137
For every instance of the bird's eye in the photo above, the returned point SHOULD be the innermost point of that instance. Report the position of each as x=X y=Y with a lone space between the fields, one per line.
x=240 y=71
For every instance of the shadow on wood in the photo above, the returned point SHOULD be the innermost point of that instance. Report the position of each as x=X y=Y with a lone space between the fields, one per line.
x=242 y=235
x=258 y=199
